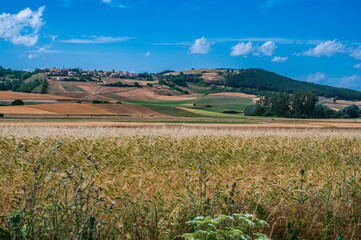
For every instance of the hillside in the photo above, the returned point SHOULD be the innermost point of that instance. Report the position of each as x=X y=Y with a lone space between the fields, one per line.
x=268 y=81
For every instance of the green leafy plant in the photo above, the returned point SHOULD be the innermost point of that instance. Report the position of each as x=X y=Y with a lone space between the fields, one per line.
x=237 y=226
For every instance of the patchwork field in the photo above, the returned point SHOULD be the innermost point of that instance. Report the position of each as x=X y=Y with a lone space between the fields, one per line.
x=147 y=94
x=130 y=109
x=147 y=183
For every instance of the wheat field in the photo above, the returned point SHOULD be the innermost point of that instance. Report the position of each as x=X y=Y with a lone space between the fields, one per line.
x=304 y=183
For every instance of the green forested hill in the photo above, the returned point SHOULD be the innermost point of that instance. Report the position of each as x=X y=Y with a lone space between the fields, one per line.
x=264 y=80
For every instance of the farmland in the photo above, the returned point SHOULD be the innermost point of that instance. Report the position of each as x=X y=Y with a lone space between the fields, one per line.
x=304 y=183
x=134 y=102
x=92 y=160
x=4 y=95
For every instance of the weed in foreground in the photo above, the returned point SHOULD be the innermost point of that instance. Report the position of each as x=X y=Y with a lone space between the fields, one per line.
x=57 y=205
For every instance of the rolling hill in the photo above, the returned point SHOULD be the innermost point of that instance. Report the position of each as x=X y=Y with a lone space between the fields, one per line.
x=269 y=81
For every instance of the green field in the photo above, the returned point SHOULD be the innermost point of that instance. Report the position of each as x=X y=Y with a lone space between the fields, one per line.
x=216 y=100
x=73 y=88
x=161 y=103
x=205 y=106
x=171 y=111
x=36 y=76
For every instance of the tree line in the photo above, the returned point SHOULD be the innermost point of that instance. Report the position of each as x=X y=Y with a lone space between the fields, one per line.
x=298 y=105
x=263 y=80
x=120 y=84
x=14 y=80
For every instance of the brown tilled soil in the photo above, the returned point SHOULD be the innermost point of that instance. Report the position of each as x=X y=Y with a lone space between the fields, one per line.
x=62 y=108
x=23 y=110
x=29 y=96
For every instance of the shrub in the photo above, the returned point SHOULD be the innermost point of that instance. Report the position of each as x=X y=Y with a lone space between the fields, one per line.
x=230 y=112
x=237 y=226
x=1 y=115
x=99 y=102
x=17 y=102
x=323 y=111
x=351 y=111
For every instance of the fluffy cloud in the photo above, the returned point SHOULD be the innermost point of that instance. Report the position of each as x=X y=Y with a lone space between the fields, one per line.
x=356 y=53
x=147 y=54
x=242 y=49
x=357 y=65
x=267 y=49
x=22 y=28
x=279 y=59
x=315 y=77
x=327 y=48
x=353 y=81
x=96 y=40
x=201 y=46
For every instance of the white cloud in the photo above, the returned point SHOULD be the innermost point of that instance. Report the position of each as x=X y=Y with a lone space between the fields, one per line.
x=40 y=51
x=314 y=77
x=242 y=49
x=279 y=59
x=356 y=53
x=22 y=28
x=147 y=54
x=358 y=65
x=33 y=55
x=96 y=40
x=353 y=81
x=201 y=46
x=327 y=48
x=118 y=3
x=267 y=49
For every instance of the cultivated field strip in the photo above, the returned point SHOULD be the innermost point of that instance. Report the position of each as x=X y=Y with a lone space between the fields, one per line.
x=23 y=132
x=306 y=184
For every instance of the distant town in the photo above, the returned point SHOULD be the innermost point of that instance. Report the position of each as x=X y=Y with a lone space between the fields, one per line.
x=61 y=74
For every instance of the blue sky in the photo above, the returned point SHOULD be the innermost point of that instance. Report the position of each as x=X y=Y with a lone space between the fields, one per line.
x=311 y=40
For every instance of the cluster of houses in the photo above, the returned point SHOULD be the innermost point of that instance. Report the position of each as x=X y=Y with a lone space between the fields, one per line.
x=70 y=73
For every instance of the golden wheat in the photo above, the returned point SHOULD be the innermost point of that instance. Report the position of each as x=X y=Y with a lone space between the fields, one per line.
x=301 y=181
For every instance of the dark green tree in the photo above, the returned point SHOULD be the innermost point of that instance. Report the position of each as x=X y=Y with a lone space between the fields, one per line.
x=351 y=111
x=17 y=102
